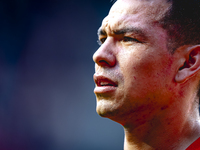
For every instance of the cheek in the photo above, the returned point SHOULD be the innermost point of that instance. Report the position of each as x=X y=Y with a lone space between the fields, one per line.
x=145 y=71
x=136 y=64
x=135 y=72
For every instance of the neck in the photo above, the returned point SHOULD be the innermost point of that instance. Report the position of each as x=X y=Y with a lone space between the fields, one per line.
x=171 y=132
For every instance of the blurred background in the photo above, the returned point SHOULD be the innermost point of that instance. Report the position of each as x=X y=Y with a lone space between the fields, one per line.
x=46 y=76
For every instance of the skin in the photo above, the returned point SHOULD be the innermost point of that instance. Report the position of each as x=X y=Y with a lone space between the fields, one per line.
x=154 y=100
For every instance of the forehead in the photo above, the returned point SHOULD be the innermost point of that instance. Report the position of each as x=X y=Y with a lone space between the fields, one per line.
x=125 y=13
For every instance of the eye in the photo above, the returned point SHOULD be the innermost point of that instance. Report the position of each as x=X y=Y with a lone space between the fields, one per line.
x=129 y=39
x=101 y=41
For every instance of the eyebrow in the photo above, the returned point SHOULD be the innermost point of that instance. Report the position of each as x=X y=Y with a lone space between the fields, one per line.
x=132 y=30
x=101 y=32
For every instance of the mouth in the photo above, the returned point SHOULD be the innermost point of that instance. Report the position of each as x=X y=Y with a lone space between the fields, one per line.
x=102 y=81
x=104 y=85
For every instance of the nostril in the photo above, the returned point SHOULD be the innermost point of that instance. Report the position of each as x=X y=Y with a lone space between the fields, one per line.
x=103 y=63
x=108 y=60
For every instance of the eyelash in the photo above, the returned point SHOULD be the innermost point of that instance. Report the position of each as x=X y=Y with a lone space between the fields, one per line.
x=125 y=39
x=129 y=39
x=101 y=41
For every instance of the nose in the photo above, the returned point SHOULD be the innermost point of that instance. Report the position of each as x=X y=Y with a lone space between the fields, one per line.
x=105 y=56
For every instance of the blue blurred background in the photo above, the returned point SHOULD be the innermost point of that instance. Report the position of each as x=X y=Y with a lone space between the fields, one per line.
x=46 y=76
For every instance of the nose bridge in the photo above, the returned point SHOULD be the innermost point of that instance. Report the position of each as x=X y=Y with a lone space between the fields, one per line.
x=105 y=55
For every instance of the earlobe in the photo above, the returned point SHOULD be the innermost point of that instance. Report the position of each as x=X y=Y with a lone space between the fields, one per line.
x=191 y=65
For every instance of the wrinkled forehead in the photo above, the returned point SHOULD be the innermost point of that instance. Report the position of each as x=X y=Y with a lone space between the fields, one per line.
x=127 y=6
x=133 y=6
x=143 y=10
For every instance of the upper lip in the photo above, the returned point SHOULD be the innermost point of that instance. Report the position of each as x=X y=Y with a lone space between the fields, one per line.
x=101 y=80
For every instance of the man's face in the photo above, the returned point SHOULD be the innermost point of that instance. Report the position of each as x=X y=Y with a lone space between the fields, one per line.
x=134 y=71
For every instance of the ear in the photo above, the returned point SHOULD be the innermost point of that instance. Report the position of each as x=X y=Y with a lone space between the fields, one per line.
x=191 y=65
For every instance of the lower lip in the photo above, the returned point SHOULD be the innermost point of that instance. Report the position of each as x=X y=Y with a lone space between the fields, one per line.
x=104 y=89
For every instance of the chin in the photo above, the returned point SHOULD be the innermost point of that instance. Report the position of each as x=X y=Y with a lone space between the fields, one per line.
x=102 y=109
x=107 y=109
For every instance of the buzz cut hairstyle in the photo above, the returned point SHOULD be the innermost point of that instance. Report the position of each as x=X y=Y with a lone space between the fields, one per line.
x=182 y=23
